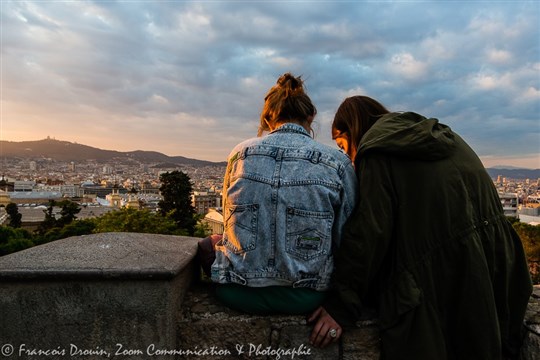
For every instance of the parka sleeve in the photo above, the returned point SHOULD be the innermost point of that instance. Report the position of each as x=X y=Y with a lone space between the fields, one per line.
x=366 y=239
x=346 y=203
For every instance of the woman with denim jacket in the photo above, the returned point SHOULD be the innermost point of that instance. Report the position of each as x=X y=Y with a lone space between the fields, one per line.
x=285 y=200
x=427 y=244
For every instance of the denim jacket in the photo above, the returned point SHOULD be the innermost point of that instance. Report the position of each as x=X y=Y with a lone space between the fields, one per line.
x=286 y=198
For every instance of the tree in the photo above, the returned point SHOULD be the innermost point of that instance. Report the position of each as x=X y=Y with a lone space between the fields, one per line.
x=15 y=218
x=202 y=229
x=78 y=228
x=530 y=238
x=68 y=213
x=12 y=240
x=75 y=228
x=50 y=219
x=133 y=220
x=176 y=189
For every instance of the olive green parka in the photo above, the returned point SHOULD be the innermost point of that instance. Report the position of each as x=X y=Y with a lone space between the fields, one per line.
x=428 y=242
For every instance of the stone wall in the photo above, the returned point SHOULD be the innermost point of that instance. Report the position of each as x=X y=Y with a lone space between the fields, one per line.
x=205 y=323
x=99 y=295
x=132 y=296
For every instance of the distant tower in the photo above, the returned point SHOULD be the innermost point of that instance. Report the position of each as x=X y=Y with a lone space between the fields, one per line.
x=4 y=196
x=499 y=179
x=133 y=202
x=107 y=169
x=33 y=166
x=115 y=200
x=72 y=166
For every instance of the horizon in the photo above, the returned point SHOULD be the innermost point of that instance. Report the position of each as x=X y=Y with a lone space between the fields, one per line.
x=189 y=78
x=496 y=166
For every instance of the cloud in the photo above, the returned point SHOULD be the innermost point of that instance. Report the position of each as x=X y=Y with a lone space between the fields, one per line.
x=406 y=66
x=189 y=78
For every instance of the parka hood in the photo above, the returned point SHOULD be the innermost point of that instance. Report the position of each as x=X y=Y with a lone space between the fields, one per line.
x=409 y=135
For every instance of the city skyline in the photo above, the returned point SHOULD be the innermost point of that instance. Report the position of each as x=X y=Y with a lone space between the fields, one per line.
x=189 y=78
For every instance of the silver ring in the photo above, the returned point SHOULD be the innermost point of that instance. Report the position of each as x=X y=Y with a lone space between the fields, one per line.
x=332 y=333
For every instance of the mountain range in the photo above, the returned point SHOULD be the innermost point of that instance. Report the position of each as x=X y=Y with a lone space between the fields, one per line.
x=514 y=173
x=68 y=151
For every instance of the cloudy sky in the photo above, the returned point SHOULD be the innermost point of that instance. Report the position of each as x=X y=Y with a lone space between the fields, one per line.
x=189 y=77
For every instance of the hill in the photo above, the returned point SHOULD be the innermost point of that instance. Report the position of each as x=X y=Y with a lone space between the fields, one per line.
x=514 y=173
x=68 y=151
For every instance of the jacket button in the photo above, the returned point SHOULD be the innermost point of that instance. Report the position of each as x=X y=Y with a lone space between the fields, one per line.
x=486 y=222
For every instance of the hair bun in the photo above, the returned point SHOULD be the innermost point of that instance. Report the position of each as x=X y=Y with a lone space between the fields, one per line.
x=286 y=102
x=290 y=84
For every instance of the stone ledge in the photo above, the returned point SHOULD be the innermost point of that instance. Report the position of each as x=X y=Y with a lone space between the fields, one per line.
x=531 y=346
x=102 y=256
x=95 y=292
x=205 y=323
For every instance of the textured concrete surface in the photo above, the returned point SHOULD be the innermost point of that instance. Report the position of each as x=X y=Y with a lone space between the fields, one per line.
x=531 y=347
x=106 y=255
x=106 y=296
x=204 y=322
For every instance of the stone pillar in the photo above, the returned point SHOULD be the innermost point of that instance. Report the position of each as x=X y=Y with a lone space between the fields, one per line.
x=96 y=296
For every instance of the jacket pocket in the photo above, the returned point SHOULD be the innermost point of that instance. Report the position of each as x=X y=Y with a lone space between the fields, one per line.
x=308 y=233
x=403 y=295
x=241 y=228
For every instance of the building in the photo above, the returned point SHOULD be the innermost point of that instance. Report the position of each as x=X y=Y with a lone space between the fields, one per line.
x=133 y=200
x=530 y=214
x=68 y=190
x=509 y=203
x=214 y=219
x=72 y=191
x=107 y=169
x=32 y=198
x=101 y=191
x=24 y=185
x=4 y=198
x=203 y=201
x=114 y=199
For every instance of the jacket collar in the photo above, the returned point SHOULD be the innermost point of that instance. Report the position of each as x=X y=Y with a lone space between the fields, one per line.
x=291 y=128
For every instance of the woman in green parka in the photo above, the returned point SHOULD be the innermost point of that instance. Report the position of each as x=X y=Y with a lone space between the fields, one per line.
x=427 y=244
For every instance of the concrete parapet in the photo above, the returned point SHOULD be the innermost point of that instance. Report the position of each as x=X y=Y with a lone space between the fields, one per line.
x=531 y=346
x=94 y=297
x=207 y=325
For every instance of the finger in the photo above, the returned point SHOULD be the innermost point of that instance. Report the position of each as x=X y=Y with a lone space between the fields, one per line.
x=320 y=333
x=315 y=332
x=327 y=339
x=324 y=337
x=315 y=314
x=319 y=340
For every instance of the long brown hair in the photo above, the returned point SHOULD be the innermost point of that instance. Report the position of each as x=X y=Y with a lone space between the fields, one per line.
x=355 y=116
x=287 y=102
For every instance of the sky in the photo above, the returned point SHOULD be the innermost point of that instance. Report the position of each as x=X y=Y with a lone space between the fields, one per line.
x=188 y=78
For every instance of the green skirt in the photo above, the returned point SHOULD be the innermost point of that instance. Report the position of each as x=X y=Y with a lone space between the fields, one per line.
x=270 y=300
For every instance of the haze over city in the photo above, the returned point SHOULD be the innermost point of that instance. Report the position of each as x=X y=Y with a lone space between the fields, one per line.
x=188 y=78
